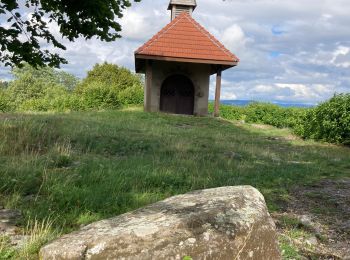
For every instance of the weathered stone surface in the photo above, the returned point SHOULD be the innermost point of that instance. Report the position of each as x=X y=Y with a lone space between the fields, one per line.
x=8 y=220
x=221 y=223
x=9 y=216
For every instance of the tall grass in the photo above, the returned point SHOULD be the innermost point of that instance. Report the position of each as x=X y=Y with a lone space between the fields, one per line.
x=39 y=233
x=82 y=167
x=6 y=251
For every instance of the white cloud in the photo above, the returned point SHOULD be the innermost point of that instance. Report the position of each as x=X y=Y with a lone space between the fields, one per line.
x=341 y=57
x=289 y=50
x=228 y=96
x=138 y=25
x=234 y=38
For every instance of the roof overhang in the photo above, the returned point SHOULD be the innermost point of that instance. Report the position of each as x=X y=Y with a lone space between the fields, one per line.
x=140 y=61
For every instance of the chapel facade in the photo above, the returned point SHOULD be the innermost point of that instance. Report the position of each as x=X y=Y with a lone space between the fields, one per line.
x=178 y=62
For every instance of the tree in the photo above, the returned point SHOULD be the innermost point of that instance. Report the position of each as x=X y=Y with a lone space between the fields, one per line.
x=109 y=86
x=46 y=75
x=22 y=37
x=31 y=83
x=111 y=76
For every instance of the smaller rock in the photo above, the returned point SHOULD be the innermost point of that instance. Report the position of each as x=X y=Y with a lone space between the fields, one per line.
x=312 y=241
x=19 y=241
x=306 y=221
x=191 y=240
x=273 y=138
x=29 y=198
x=7 y=229
x=276 y=159
x=10 y=216
x=233 y=155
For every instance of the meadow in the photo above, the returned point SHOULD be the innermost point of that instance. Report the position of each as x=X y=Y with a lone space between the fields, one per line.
x=65 y=170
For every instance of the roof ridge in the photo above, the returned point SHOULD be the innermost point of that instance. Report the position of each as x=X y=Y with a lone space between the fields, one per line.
x=212 y=38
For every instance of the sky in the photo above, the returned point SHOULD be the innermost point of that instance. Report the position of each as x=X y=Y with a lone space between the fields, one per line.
x=294 y=51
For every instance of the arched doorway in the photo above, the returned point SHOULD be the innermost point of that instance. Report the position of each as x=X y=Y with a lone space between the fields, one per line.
x=177 y=95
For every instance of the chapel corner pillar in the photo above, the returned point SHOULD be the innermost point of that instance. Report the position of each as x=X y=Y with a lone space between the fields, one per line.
x=148 y=89
x=217 y=92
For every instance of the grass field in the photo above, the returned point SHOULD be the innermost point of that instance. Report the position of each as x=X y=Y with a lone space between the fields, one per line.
x=67 y=170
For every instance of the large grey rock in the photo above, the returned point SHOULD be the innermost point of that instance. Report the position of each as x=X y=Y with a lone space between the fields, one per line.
x=221 y=223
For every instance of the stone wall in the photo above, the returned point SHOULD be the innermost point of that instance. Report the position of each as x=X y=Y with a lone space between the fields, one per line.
x=198 y=73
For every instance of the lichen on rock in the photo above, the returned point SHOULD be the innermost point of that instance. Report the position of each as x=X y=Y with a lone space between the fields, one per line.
x=220 y=223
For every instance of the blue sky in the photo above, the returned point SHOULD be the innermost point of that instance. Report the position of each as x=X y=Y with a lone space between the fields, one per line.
x=290 y=50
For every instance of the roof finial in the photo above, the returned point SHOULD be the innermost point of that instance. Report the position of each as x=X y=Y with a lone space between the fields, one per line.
x=179 y=6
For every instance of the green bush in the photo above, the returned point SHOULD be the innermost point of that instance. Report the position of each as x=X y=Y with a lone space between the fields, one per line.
x=97 y=95
x=274 y=115
x=263 y=113
x=229 y=112
x=330 y=121
x=109 y=86
x=53 y=98
x=131 y=96
x=25 y=88
x=46 y=75
x=4 y=101
x=112 y=76
x=32 y=84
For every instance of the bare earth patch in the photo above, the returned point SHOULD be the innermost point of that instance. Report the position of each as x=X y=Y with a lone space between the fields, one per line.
x=261 y=126
x=316 y=220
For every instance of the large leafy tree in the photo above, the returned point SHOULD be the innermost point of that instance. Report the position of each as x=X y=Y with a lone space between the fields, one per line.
x=29 y=25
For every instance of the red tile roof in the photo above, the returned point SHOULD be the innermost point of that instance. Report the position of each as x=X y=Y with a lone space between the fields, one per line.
x=184 y=38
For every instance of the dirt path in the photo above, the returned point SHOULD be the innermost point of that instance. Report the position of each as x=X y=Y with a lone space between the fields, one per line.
x=316 y=220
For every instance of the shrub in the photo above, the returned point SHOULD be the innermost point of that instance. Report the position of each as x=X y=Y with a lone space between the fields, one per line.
x=109 y=86
x=25 y=88
x=265 y=113
x=229 y=112
x=4 y=101
x=54 y=98
x=274 y=115
x=112 y=76
x=330 y=121
x=97 y=95
x=46 y=75
x=131 y=96
x=43 y=83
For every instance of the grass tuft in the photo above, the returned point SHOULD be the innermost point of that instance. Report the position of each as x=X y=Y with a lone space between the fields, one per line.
x=39 y=233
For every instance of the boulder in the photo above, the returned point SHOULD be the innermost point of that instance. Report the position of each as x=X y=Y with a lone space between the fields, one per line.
x=220 y=223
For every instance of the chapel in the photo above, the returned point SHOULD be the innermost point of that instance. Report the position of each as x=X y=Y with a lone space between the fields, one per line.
x=178 y=62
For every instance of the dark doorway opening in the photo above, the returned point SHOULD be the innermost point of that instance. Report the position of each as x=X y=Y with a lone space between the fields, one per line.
x=177 y=95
